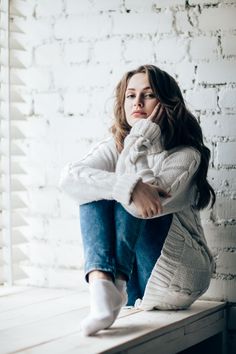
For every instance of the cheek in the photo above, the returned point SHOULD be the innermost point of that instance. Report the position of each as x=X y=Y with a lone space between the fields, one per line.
x=127 y=108
x=151 y=106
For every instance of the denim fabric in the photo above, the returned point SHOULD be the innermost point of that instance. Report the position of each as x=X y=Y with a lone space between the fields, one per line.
x=115 y=241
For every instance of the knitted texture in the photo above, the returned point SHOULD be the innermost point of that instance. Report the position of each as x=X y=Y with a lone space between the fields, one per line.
x=183 y=271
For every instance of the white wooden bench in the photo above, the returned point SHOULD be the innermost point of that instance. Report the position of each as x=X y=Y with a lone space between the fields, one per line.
x=46 y=321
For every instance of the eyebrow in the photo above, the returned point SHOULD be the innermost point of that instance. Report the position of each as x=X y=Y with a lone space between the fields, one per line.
x=145 y=88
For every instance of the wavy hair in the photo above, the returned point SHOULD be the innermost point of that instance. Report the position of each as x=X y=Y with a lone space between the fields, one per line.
x=178 y=125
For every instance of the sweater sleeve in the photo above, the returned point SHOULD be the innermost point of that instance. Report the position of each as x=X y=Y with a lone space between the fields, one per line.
x=176 y=177
x=94 y=177
x=174 y=174
x=144 y=135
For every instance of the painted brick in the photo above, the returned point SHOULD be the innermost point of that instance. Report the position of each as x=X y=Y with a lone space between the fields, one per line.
x=72 y=151
x=36 y=229
x=185 y=74
x=38 y=30
x=66 y=229
x=139 y=5
x=221 y=289
x=202 y=99
x=75 y=27
x=186 y=21
x=226 y=153
x=225 y=208
x=107 y=5
x=219 y=125
x=38 y=79
x=76 y=53
x=80 y=50
x=46 y=103
x=220 y=236
x=227 y=98
x=107 y=51
x=223 y=179
x=203 y=2
x=74 y=129
x=48 y=54
x=68 y=208
x=42 y=253
x=69 y=255
x=43 y=202
x=167 y=3
x=35 y=127
x=42 y=152
x=37 y=276
x=203 y=48
x=36 y=175
x=228 y=44
x=226 y=263
x=171 y=49
x=211 y=19
x=67 y=278
x=81 y=76
x=46 y=8
x=135 y=46
x=76 y=103
x=144 y=23
x=217 y=72
x=73 y=7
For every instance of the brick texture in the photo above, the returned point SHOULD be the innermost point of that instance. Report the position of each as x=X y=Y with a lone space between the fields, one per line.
x=78 y=51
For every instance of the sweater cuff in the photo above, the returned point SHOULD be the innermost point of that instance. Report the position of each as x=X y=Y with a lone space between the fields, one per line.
x=124 y=187
x=147 y=129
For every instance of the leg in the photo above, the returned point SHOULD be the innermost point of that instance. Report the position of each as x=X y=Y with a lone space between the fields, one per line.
x=148 y=250
x=98 y=234
x=133 y=287
x=128 y=231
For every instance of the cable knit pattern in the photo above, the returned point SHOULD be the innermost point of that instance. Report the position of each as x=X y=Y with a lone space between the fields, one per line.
x=183 y=271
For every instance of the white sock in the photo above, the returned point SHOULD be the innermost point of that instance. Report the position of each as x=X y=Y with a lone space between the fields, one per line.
x=121 y=285
x=105 y=304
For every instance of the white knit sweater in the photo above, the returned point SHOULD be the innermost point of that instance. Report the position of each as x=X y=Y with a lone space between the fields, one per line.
x=183 y=271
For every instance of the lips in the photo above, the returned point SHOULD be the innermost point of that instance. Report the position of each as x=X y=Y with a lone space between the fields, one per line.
x=138 y=113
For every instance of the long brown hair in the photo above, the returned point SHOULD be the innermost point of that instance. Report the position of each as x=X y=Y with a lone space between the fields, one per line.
x=178 y=125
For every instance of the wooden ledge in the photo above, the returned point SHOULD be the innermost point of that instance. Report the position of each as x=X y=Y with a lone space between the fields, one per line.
x=40 y=321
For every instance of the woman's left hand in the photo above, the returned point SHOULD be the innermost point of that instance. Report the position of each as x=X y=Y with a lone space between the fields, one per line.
x=156 y=113
x=146 y=198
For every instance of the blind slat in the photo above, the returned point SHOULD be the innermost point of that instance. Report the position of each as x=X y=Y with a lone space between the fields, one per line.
x=14 y=58
x=17 y=186
x=17 y=202
x=18 y=238
x=15 y=150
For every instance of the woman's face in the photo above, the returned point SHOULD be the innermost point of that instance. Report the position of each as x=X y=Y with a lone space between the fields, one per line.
x=140 y=99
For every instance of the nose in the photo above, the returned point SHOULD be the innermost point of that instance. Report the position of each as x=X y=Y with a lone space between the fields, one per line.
x=138 y=102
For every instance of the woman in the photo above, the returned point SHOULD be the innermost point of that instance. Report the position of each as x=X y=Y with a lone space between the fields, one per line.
x=140 y=192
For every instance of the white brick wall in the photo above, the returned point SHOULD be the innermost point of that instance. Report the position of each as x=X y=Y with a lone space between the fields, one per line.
x=79 y=50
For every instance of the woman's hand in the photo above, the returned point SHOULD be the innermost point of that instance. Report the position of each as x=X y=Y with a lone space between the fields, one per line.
x=146 y=198
x=156 y=113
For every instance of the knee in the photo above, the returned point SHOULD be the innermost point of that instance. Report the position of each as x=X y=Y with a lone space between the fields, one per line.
x=86 y=210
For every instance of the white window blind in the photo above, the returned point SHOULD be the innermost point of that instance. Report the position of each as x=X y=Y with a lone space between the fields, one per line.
x=12 y=222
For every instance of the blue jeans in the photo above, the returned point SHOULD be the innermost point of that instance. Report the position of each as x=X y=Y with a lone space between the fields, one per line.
x=115 y=242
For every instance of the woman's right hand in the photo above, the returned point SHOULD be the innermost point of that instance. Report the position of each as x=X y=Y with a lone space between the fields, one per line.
x=146 y=198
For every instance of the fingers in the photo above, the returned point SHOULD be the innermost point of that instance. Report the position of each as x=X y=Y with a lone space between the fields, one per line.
x=154 y=112
x=149 y=211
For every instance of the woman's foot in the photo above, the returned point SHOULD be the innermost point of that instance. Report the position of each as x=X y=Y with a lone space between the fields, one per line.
x=105 y=304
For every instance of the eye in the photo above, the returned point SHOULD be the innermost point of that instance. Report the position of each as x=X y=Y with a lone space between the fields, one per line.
x=149 y=95
x=130 y=95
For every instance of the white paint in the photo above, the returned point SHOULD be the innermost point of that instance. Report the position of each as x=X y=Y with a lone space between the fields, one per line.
x=79 y=51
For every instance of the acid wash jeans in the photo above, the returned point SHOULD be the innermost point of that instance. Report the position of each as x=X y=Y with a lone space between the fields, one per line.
x=115 y=241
